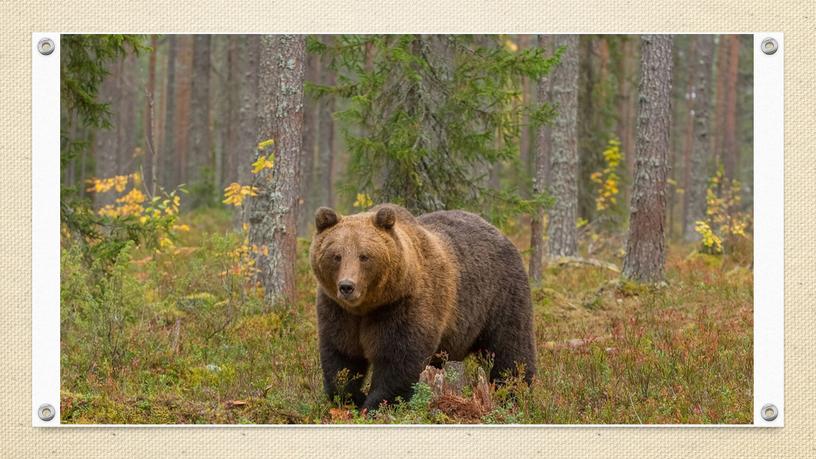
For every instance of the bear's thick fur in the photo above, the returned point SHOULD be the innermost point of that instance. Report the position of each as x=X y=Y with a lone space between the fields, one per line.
x=395 y=291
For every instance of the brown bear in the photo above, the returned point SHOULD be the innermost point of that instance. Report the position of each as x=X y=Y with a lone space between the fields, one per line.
x=395 y=291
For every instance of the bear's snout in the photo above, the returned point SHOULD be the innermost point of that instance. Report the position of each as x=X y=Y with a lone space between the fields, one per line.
x=346 y=288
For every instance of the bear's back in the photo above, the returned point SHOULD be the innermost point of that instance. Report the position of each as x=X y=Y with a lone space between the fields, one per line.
x=489 y=267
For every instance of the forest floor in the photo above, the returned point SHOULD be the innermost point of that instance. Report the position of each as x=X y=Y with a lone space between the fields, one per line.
x=181 y=336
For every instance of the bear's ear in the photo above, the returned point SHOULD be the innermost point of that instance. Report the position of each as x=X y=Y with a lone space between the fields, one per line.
x=385 y=218
x=325 y=218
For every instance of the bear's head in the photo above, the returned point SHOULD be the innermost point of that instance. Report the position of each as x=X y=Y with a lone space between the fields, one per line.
x=359 y=259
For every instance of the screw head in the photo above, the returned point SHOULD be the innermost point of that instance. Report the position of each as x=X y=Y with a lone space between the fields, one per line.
x=45 y=46
x=769 y=412
x=769 y=46
x=46 y=412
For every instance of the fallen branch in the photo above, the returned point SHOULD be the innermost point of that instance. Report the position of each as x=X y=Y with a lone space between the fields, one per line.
x=578 y=261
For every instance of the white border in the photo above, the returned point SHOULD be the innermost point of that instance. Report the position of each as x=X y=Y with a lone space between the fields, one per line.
x=768 y=246
x=769 y=230
x=45 y=229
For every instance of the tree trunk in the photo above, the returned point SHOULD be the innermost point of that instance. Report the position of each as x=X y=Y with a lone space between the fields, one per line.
x=730 y=152
x=719 y=104
x=235 y=68
x=563 y=172
x=525 y=150
x=310 y=134
x=218 y=115
x=626 y=126
x=688 y=135
x=248 y=112
x=697 y=175
x=169 y=151
x=129 y=158
x=541 y=164
x=106 y=141
x=646 y=245
x=273 y=216
x=183 y=75
x=325 y=142
x=199 y=158
x=161 y=113
x=151 y=154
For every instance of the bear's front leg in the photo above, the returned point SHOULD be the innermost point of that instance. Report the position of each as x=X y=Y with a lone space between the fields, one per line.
x=391 y=379
x=334 y=364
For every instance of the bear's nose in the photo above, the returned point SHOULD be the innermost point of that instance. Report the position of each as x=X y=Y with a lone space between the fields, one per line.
x=346 y=287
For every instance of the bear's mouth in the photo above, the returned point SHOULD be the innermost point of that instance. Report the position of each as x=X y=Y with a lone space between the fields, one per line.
x=349 y=300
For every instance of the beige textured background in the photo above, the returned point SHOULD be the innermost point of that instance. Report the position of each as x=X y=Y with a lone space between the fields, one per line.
x=19 y=19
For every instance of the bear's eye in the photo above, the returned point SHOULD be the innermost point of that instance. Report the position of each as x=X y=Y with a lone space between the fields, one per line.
x=337 y=258
x=363 y=258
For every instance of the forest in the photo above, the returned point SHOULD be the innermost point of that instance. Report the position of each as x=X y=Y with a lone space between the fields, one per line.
x=620 y=166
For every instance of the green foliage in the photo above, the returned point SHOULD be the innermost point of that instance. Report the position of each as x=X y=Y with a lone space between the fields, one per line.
x=84 y=63
x=421 y=398
x=427 y=116
x=83 y=67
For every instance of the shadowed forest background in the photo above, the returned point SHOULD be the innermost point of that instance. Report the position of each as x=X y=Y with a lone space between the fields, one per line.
x=621 y=167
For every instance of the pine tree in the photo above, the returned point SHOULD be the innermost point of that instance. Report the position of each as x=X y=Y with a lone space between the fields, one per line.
x=695 y=196
x=646 y=244
x=563 y=173
x=428 y=116
x=199 y=164
x=326 y=160
x=542 y=165
x=273 y=212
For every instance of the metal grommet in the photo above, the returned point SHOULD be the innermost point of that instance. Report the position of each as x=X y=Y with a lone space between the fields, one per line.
x=46 y=412
x=45 y=46
x=769 y=46
x=769 y=412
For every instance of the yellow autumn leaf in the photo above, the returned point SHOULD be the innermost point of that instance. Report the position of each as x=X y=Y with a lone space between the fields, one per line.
x=235 y=193
x=263 y=162
x=266 y=144
x=363 y=201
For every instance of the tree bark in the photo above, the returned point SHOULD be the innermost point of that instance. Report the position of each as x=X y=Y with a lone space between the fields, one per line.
x=310 y=134
x=235 y=69
x=730 y=148
x=106 y=141
x=526 y=154
x=626 y=126
x=273 y=216
x=199 y=157
x=169 y=150
x=541 y=165
x=151 y=154
x=719 y=104
x=248 y=111
x=161 y=112
x=126 y=119
x=563 y=172
x=646 y=244
x=325 y=142
x=701 y=150
x=183 y=76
